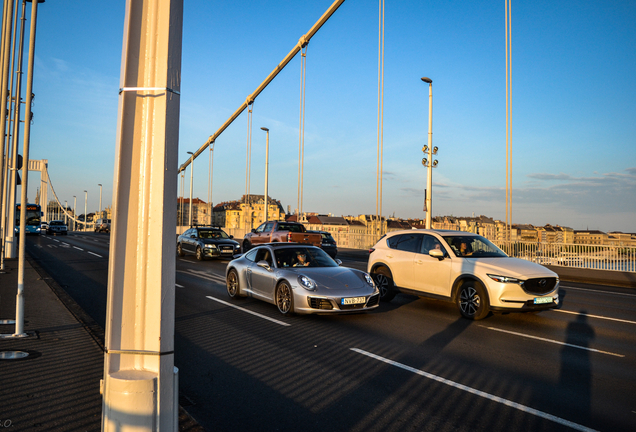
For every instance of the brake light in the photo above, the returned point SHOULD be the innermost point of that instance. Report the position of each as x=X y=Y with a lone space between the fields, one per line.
x=289 y=237
x=371 y=250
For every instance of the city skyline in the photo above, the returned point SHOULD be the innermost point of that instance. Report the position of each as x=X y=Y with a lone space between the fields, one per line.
x=573 y=134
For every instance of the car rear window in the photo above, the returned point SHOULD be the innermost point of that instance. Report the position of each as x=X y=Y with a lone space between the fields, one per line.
x=290 y=227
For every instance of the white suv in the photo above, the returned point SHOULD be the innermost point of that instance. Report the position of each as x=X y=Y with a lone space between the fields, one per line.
x=463 y=268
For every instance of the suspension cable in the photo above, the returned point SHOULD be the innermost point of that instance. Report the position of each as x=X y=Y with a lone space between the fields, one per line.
x=301 y=130
x=248 y=165
x=380 y=152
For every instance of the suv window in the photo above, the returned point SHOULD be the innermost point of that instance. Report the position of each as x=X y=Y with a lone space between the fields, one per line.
x=429 y=242
x=405 y=242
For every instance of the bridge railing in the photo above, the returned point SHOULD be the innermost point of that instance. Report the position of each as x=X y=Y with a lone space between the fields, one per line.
x=616 y=258
x=598 y=257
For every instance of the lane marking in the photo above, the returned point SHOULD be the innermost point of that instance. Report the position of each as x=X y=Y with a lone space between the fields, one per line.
x=249 y=311
x=178 y=286
x=95 y=254
x=598 y=291
x=78 y=248
x=594 y=316
x=55 y=240
x=553 y=341
x=209 y=276
x=480 y=393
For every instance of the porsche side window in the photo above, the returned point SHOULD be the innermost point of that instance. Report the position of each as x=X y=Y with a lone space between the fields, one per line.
x=251 y=255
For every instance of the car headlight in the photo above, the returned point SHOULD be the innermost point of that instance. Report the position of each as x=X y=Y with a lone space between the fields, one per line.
x=306 y=283
x=210 y=246
x=505 y=279
x=368 y=279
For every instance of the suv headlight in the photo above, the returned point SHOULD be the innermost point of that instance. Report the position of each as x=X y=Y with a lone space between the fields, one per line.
x=505 y=279
x=306 y=282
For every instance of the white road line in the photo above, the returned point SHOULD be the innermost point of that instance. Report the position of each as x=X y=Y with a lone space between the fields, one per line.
x=553 y=341
x=78 y=248
x=594 y=316
x=598 y=291
x=480 y=393
x=55 y=240
x=249 y=311
x=205 y=275
x=95 y=254
x=178 y=286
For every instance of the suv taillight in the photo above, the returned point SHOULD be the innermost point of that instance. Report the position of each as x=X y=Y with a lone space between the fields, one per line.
x=371 y=250
x=289 y=237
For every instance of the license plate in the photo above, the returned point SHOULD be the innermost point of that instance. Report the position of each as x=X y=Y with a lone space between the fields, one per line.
x=352 y=300
x=542 y=300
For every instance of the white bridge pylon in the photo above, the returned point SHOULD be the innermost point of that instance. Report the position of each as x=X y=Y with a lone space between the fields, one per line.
x=45 y=183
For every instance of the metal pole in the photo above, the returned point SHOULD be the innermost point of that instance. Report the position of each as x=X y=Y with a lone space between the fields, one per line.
x=85 y=210
x=211 y=179
x=140 y=390
x=19 y=319
x=266 y=172
x=191 y=179
x=74 y=213
x=100 y=201
x=65 y=210
x=429 y=174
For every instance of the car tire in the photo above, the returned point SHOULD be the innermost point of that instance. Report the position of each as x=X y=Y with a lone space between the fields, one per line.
x=246 y=246
x=180 y=250
x=472 y=301
x=232 y=284
x=384 y=281
x=284 y=298
x=199 y=253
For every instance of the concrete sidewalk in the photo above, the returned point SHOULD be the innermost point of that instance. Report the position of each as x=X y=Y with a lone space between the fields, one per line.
x=56 y=387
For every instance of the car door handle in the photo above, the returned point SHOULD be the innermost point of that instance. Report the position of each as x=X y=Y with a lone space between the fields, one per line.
x=389 y=256
x=419 y=262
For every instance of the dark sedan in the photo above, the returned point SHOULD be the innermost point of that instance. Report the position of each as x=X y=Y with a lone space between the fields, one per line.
x=207 y=242
x=328 y=243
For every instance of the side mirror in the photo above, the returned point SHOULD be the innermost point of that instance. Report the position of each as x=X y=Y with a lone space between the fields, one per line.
x=254 y=230
x=231 y=236
x=436 y=253
x=264 y=264
x=193 y=236
x=338 y=262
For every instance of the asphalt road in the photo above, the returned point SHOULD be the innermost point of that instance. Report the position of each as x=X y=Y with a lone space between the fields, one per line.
x=411 y=364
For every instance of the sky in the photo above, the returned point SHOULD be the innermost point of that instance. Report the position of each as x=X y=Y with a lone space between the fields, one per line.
x=573 y=105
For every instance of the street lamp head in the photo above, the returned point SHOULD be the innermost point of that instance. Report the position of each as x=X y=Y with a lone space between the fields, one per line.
x=265 y=129
x=424 y=161
x=427 y=80
x=99 y=184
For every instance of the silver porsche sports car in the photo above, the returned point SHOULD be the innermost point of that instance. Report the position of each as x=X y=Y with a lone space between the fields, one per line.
x=300 y=279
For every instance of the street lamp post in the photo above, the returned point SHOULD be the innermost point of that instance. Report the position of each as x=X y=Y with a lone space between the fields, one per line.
x=429 y=151
x=266 y=170
x=74 y=213
x=65 y=210
x=100 y=200
x=85 y=211
x=191 y=177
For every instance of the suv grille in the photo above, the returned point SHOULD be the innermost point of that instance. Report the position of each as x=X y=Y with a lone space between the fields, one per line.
x=319 y=303
x=539 y=286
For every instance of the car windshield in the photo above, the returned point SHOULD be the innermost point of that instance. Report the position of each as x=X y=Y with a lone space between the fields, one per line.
x=473 y=247
x=303 y=257
x=213 y=234
x=56 y=223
